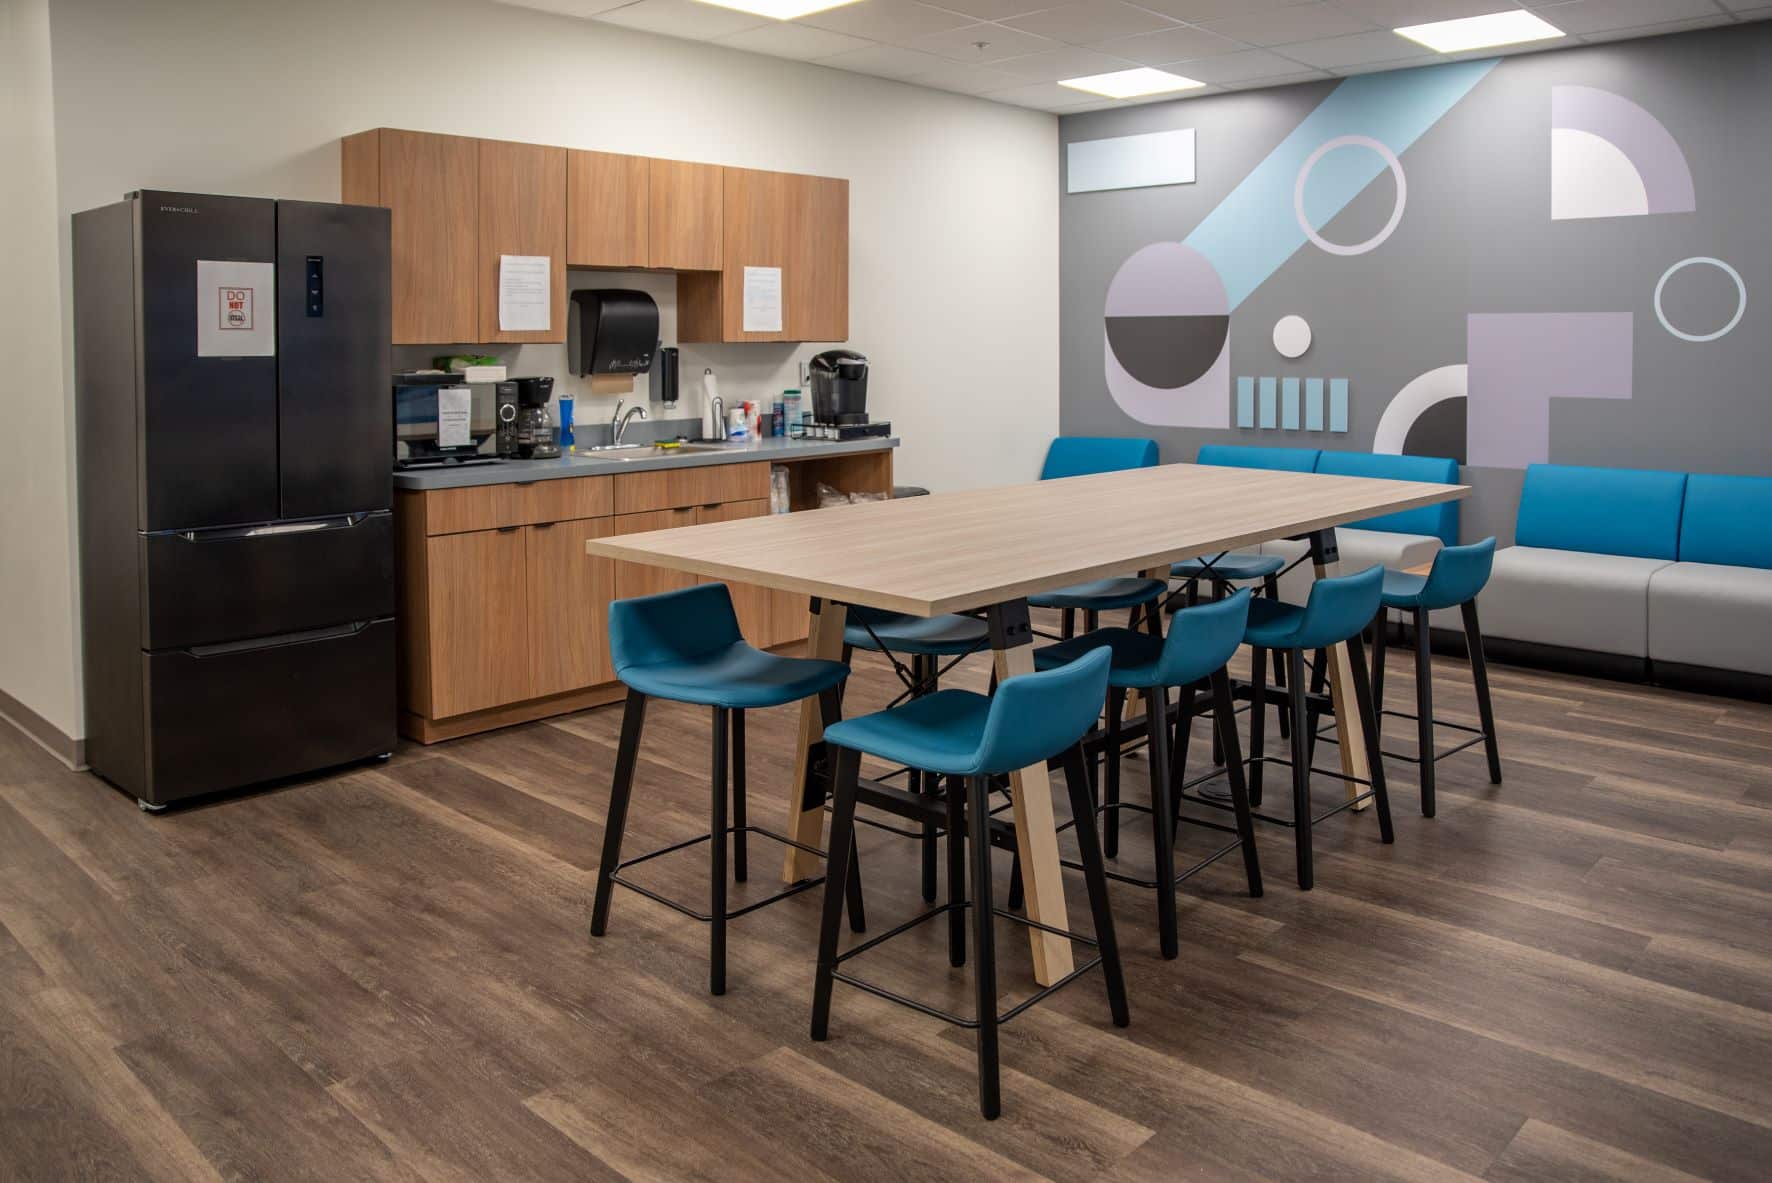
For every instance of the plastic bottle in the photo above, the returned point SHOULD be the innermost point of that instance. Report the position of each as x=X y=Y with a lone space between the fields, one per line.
x=740 y=424
x=565 y=403
x=778 y=418
x=790 y=403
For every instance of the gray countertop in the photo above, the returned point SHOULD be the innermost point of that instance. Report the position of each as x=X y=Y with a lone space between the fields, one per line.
x=504 y=472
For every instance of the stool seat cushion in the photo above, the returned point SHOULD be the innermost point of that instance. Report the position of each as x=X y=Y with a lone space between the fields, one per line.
x=1712 y=614
x=1103 y=595
x=922 y=636
x=738 y=677
x=1229 y=567
x=1134 y=661
x=1457 y=575
x=938 y=732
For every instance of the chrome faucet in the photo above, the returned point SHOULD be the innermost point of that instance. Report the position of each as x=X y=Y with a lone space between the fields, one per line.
x=618 y=423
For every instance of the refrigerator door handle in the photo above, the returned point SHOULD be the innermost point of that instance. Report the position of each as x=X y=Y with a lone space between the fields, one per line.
x=227 y=648
x=273 y=530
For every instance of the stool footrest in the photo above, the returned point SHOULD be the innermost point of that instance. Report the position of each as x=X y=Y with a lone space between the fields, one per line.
x=936 y=1012
x=1290 y=823
x=732 y=914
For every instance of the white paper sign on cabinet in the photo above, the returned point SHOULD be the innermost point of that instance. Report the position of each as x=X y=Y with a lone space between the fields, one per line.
x=525 y=295
x=762 y=299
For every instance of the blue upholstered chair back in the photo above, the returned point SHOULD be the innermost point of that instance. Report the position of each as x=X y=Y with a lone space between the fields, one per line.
x=1728 y=520
x=1202 y=638
x=1458 y=574
x=1277 y=459
x=1338 y=608
x=1440 y=521
x=672 y=626
x=1607 y=511
x=1085 y=455
x=1034 y=717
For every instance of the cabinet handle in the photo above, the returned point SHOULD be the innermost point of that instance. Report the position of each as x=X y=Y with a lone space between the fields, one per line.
x=523 y=484
x=509 y=529
x=542 y=525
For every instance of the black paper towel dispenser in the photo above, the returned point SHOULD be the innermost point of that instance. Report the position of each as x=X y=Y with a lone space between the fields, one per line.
x=611 y=331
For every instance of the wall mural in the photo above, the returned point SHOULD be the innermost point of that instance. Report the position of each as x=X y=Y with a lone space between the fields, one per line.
x=1169 y=322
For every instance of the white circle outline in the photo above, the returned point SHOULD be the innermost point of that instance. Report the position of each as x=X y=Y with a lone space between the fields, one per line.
x=1304 y=172
x=1740 y=304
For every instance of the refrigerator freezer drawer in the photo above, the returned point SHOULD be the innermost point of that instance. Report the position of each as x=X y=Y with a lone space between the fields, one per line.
x=211 y=586
x=225 y=716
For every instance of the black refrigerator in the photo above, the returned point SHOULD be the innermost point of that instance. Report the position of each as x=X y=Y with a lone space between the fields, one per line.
x=232 y=360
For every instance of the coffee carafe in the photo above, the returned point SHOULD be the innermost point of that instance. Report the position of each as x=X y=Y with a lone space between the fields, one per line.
x=535 y=427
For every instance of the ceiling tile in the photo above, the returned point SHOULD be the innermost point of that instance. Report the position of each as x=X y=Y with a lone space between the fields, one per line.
x=1277 y=80
x=885 y=61
x=1357 y=50
x=1302 y=22
x=1069 y=62
x=1230 y=68
x=895 y=21
x=1046 y=96
x=1180 y=44
x=1091 y=21
x=1391 y=14
x=996 y=10
x=967 y=79
x=1196 y=11
x=583 y=8
x=784 y=39
x=1597 y=16
x=682 y=18
x=1703 y=22
x=963 y=44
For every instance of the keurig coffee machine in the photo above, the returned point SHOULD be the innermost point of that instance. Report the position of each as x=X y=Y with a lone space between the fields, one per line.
x=840 y=397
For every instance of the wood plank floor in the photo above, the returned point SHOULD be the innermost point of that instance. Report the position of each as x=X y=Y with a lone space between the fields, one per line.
x=385 y=973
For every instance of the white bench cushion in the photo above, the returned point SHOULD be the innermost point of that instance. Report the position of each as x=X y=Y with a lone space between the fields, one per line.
x=1569 y=598
x=1711 y=615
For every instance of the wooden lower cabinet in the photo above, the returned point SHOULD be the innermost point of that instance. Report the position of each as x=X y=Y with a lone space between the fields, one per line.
x=478 y=642
x=568 y=606
x=755 y=605
x=638 y=579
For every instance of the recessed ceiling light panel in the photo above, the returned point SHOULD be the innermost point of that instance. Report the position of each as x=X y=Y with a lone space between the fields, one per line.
x=781 y=10
x=1481 y=32
x=1131 y=84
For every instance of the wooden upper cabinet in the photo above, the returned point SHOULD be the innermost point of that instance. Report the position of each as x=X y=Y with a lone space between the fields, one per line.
x=522 y=212
x=797 y=223
x=608 y=199
x=685 y=219
x=431 y=184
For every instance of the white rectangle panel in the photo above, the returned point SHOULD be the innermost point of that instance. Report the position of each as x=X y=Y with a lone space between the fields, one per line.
x=1130 y=162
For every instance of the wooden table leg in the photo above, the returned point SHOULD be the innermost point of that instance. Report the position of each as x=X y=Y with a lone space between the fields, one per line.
x=1350 y=736
x=824 y=638
x=1036 y=833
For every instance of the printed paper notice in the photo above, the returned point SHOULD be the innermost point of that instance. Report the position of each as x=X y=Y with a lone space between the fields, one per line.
x=236 y=309
x=524 y=293
x=455 y=405
x=762 y=299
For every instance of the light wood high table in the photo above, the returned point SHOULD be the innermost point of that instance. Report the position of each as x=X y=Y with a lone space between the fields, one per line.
x=992 y=548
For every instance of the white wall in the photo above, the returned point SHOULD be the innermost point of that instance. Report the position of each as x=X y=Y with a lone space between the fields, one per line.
x=953 y=201
x=37 y=646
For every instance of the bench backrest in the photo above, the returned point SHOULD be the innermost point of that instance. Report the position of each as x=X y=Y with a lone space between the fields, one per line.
x=1608 y=511
x=1440 y=521
x=1085 y=455
x=1728 y=520
x=1279 y=459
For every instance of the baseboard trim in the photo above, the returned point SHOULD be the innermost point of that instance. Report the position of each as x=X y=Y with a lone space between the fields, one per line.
x=43 y=733
x=1705 y=680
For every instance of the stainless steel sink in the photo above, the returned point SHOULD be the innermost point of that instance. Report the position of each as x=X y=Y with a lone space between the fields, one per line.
x=649 y=451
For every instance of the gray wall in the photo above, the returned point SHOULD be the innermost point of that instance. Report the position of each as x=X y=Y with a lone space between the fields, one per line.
x=1477 y=237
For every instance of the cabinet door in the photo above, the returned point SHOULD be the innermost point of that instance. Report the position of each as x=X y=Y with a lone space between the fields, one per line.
x=761 y=613
x=607 y=199
x=522 y=212
x=479 y=630
x=684 y=231
x=431 y=185
x=816 y=280
x=569 y=593
x=758 y=234
x=641 y=579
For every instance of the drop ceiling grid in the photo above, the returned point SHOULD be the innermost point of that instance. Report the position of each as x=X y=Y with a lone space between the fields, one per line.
x=1028 y=45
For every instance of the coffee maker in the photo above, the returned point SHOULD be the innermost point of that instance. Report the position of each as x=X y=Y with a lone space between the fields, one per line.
x=535 y=427
x=840 y=397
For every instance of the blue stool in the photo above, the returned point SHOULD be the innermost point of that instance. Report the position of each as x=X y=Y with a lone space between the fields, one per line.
x=925 y=640
x=1200 y=641
x=1080 y=455
x=1337 y=612
x=972 y=738
x=685 y=646
x=1458 y=574
x=1222 y=571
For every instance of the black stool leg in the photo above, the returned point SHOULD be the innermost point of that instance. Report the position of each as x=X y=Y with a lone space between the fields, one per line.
x=717 y=860
x=739 y=866
x=633 y=721
x=1092 y=619
x=830 y=710
x=1224 y=713
x=1184 y=732
x=1301 y=767
x=1368 y=712
x=1017 y=891
x=1162 y=818
x=1473 y=638
x=956 y=871
x=1068 y=622
x=1313 y=714
x=847 y=768
x=1095 y=877
x=1116 y=706
x=1257 y=720
x=1424 y=711
x=925 y=783
x=1379 y=643
x=978 y=813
